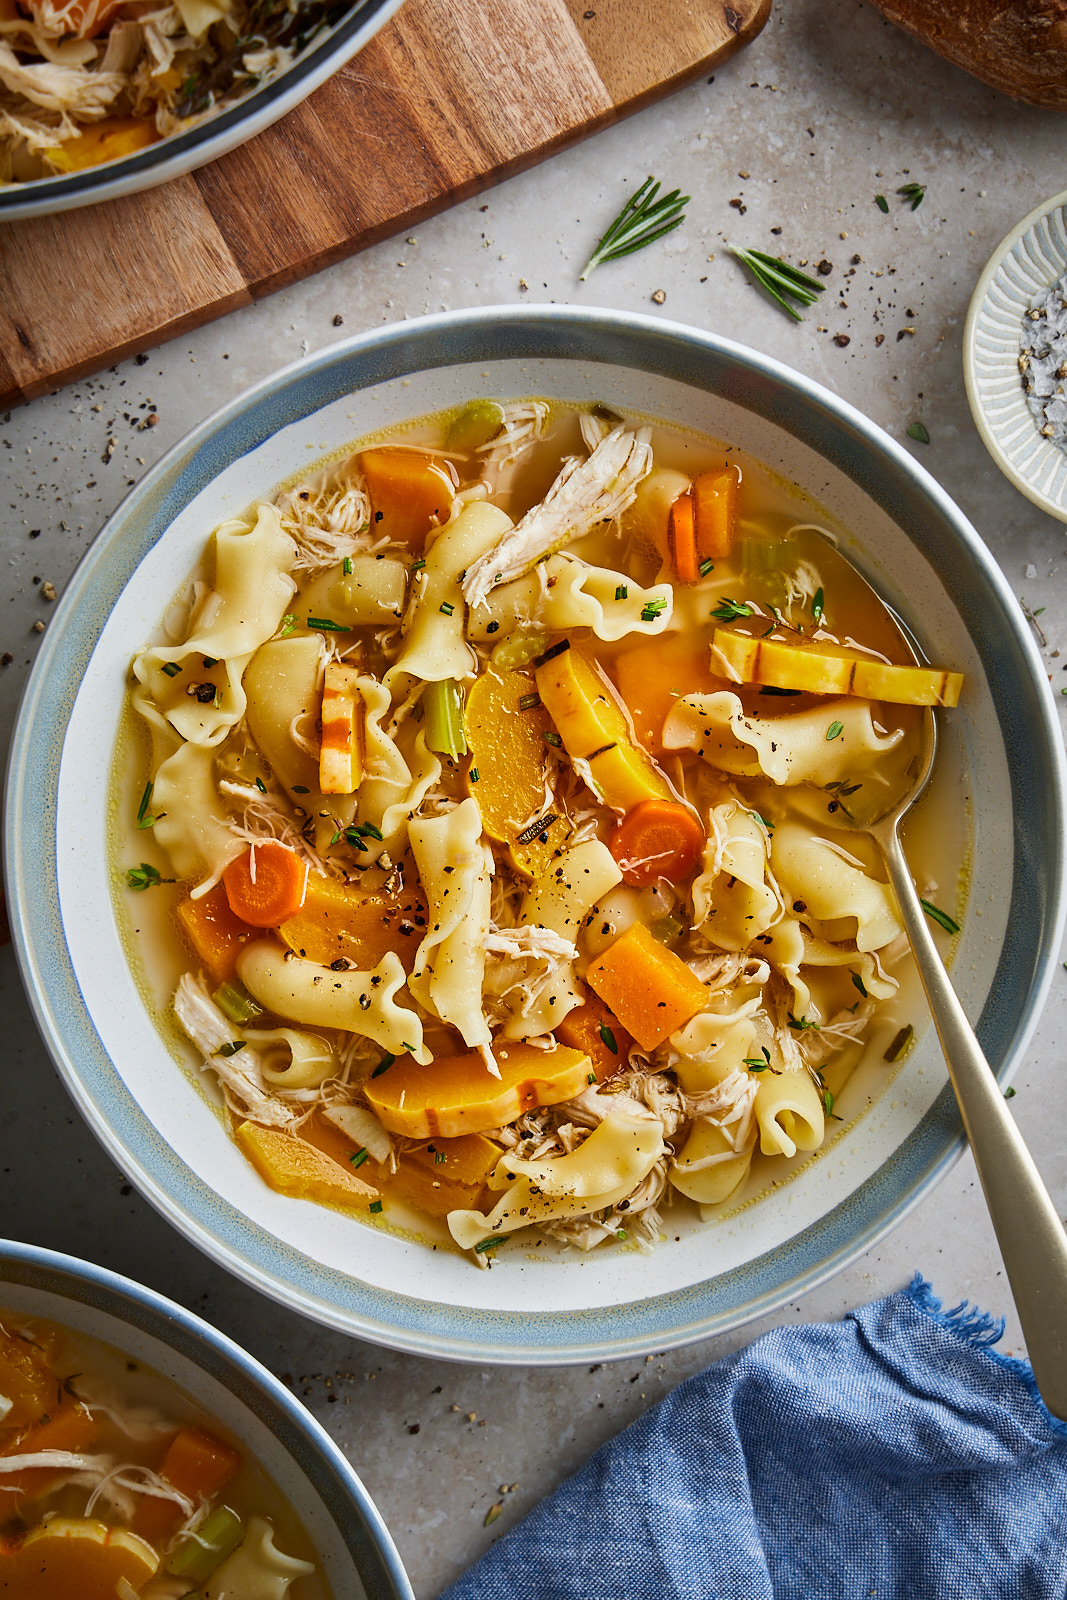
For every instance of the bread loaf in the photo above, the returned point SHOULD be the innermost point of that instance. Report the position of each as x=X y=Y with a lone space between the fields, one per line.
x=1017 y=46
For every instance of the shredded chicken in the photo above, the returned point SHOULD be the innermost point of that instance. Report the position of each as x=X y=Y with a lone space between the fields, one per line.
x=239 y=1075
x=585 y=493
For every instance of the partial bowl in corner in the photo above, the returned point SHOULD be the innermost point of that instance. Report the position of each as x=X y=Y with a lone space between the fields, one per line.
x=533 y=1307
x=352 y=1546
x=1025 y=264
x=208 y=139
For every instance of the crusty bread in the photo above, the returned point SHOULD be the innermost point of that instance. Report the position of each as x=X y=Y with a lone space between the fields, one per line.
x=1018 y=46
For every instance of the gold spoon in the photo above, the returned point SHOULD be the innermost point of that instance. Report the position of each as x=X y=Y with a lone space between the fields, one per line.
x=1032 y=1239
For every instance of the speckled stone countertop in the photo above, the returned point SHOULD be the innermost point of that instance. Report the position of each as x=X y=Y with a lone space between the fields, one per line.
x=784 y=150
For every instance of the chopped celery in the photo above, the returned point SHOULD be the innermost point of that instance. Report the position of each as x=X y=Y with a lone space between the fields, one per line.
x=665 y=929
x=234 y=1000
x=475 y=425
x=201 y=1552
x=443 y=703
x=520 y=650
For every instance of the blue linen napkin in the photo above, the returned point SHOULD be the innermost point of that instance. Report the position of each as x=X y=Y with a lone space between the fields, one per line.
x=891 y=1456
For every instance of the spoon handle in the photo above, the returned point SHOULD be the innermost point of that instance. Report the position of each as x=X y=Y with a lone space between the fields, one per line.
x=1030 y=1234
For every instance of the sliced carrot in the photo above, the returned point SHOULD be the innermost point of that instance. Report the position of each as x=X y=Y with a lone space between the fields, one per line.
x=266 y=886
x=215 y=932
x=648 y=987
x=657 y=839
x=681 y=539
x=198 y=1465
x=599 y=1034
x=410 y=493
x=715 y=509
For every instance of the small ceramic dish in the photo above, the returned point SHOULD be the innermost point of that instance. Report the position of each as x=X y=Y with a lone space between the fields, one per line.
x=352 y=1544
x=207 y=140
x=1023 y=265
x=535 y=1306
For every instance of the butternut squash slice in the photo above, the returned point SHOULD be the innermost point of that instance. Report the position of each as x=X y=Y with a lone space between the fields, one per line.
x=506 y=726
x=455 y=1095
x=831 y=671
x=594 y=726
x=74 y=1558
x=294 y=1168
x=216 y=933
x=647 y=986
x=446 y=1174
x=336 y=922
x=410 y=493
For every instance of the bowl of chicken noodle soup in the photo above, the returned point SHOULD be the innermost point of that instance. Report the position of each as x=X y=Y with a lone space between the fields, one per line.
x=145 y=1457
x=474 y=938
x=101 y=98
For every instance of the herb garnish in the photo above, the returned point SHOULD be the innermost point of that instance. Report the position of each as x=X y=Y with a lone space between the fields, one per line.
x=949 y=924
x=608 y=1038
x=913 y=192
x=730 y=610
x=802 y=1025
x=858 y=981
x=882 y=203
x=642 y=220
x=261 y=786
x=835 y=730
x=781 y=281
x=446 y=608
x=144 y=877
x=474 y=775
x=527 y=702
x=171 y=668
x=143 y=819
x=383 y=1066
x=487 y=1244
x=346 y=566
x=818 y=605
x=358 y=1157
x=900 y=1043
x=651 y=610
x=230 y=1048
x=328 y=624
x=286 y=626
x=621 y=591
x=375 y=1207
x=706 y=566
x=918 y=433
x=553 y=739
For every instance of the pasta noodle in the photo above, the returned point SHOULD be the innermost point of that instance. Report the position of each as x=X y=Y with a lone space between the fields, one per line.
x=484 y=835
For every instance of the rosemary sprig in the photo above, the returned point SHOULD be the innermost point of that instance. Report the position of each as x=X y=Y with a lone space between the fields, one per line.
x=642 y=220
x=781 y=281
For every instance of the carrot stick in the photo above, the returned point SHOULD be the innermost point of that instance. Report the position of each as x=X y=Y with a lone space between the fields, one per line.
x=266 y=886
x=656 y=839
x=681 y=539
x=715 y=507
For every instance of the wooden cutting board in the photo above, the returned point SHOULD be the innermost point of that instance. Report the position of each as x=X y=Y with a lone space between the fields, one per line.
x=451 y=96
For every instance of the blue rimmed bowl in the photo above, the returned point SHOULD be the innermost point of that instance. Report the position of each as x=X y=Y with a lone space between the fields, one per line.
x=897 y=1140
x=353 y=1545
x=211 y=138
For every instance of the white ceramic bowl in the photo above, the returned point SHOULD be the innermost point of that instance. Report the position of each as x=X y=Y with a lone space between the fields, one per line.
x=183 y=152
x=353 y=1545
x=914 y=544
x=1023 y=265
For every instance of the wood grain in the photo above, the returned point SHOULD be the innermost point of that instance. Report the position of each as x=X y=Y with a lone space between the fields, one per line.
x=450 y=97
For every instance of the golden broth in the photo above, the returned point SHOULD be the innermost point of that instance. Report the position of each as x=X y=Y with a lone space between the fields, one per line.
x=772 y=515
x=73 y=1393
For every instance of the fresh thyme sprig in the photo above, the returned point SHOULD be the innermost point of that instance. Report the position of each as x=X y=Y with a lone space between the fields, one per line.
x=781 y=281
x=642 y=220
x=913 y=192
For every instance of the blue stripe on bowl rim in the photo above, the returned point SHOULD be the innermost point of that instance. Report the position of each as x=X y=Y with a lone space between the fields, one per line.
x=850 y=442
x=358 y=1521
